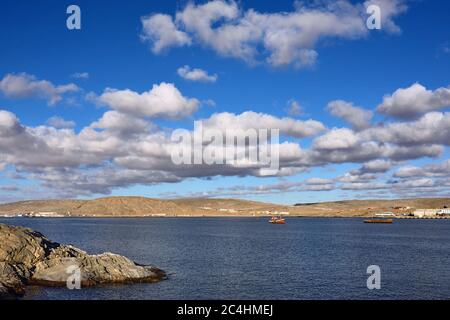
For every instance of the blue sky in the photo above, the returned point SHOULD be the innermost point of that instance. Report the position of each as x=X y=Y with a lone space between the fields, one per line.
x=116 y=50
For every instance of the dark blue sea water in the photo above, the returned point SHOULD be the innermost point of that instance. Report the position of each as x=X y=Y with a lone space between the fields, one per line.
x=247 y=258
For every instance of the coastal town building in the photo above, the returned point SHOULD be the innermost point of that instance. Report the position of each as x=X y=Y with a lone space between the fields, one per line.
x=444 y=212
x=43 y=214
x=385 y=214
x=425 y=213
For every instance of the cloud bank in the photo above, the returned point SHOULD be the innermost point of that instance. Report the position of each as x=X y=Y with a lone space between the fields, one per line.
x=280 y=39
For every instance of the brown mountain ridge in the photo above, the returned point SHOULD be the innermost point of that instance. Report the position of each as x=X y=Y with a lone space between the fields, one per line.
x=141 y=206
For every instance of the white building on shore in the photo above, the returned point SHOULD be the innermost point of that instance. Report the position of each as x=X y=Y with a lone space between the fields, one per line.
x=385 y=214
x=425 y=213
x=444 y=212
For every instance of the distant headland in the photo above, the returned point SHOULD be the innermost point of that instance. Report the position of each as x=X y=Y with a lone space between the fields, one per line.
x=208 y=207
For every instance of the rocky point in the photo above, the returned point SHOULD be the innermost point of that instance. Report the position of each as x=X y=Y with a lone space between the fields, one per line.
x=28 y=257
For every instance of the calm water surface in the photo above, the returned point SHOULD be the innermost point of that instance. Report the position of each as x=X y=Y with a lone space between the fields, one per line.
x=247 y=258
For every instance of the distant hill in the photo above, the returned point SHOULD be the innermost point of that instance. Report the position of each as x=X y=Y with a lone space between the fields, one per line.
x=140 y=206
x=369 y=207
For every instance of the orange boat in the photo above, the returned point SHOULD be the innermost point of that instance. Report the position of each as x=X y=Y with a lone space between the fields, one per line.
x=277 y=220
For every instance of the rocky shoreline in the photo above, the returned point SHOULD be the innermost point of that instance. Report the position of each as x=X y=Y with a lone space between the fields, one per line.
x=29 y=258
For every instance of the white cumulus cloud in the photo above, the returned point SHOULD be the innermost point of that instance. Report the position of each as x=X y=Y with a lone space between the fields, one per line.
x=160 y=30
x=414 y=101
x=23 y=85
x=280 y=38
x=196 y=74
x=164 y=100
x=358 y=117
x=254 y=120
